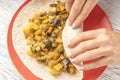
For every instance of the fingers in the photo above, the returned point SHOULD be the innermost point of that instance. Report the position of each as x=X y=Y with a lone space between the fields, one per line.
x=102 y=62
x=68 y=4
x=87 y=8
x=79 y=10
x=75 y=10
x=82 y=37
x=91 y=54
x=82 y=47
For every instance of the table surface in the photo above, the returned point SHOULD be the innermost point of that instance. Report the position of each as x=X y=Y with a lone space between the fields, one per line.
x=8 y=8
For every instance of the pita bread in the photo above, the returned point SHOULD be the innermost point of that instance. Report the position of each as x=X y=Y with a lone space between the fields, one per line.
x=19 y=43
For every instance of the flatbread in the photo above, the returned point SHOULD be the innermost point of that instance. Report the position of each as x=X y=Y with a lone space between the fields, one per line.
x=67 y=35
x=19 y=43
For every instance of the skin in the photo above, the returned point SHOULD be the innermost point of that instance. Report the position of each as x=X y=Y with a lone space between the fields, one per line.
x=79 y=10
x=100 y=43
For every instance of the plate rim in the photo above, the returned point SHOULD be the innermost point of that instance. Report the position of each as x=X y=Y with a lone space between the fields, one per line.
x=21 y=67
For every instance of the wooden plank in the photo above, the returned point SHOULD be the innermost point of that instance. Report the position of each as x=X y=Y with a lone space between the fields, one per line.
x=8 y=8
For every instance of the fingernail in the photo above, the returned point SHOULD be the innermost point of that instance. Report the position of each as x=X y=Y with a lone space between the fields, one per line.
x=81 y=68
x=73 y=60
x=69 y=44
x=74 y=26
x=70 y=24
x=81 y=63
x=70 y=56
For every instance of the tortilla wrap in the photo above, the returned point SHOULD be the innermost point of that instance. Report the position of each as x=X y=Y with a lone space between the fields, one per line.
x=67 y=35
x=19 y=43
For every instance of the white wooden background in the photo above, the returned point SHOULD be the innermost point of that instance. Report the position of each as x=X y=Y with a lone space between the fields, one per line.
x=8 y=8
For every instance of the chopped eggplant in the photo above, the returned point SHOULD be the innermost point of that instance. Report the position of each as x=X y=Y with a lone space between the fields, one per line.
x=56 y=21
x=65 y=61
x=44 y=36
x=48 y=44
x=53 y=5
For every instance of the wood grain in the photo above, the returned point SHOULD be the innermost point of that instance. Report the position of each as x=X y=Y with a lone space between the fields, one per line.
x=8 y=8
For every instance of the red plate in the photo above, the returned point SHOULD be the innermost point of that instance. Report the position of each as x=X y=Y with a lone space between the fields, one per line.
x=97 y=19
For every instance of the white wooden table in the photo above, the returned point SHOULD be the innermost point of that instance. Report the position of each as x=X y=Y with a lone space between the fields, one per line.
x=8 y=8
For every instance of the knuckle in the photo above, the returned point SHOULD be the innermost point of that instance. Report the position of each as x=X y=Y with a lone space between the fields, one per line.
x=84 y=13
x=71 y=19
x=75 y=8
x=111 y=60
x=93 y=42
x=107 y=38
x=103 y=30
x=104 y=39
x=81 y=35
x=100 y=41
x=110 y=49
x=94 y=1
x=83 y=44
x=87 y=54
x=73 y=53
x=79 y=58
x=87 y=67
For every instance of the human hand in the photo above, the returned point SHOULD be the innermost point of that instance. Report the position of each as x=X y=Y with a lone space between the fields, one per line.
x=101 y=43
x=79 y=10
